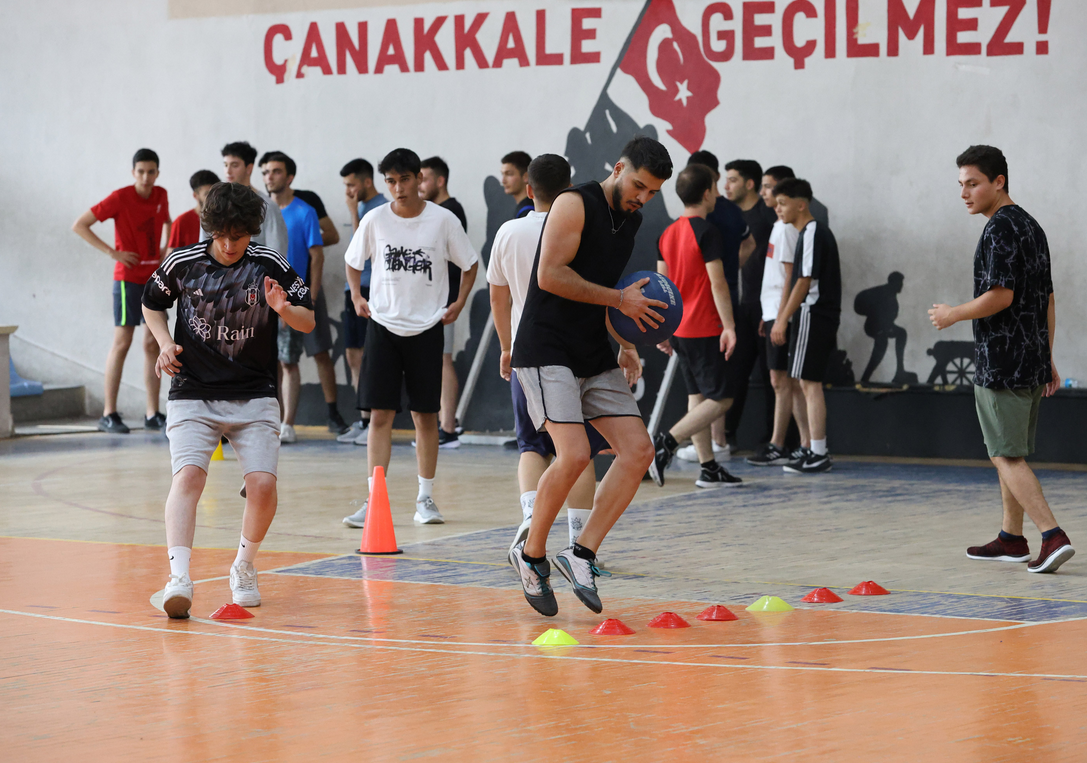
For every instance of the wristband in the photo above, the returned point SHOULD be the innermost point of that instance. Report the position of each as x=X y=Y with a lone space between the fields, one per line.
x=620 y=300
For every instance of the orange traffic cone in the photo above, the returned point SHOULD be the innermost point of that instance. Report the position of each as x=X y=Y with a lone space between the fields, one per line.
x=378 y=536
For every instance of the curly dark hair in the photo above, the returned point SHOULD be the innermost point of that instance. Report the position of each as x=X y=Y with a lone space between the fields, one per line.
x=643 y=152
x=232 y=208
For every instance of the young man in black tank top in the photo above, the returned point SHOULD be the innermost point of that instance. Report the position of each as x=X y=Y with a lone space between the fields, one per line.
x=565 y=364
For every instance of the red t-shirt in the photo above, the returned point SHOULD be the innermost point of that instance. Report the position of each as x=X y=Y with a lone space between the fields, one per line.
x=686 y=246
x=186 y=230
x=137 y=224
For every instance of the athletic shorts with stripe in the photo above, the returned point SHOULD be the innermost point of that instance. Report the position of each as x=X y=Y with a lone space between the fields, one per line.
x=127 y=303
x=531 y=440
x=553 y=393
x=812 y=340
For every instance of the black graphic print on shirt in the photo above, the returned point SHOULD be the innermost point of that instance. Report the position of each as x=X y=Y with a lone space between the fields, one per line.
x=399 y=258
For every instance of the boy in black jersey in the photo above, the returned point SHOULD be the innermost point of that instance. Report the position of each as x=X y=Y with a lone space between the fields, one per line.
x=568 y=372
x=222 y=358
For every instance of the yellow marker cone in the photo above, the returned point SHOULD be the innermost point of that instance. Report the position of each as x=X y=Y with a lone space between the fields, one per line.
x=218 y=454
x=555 y=637
x=770 y=604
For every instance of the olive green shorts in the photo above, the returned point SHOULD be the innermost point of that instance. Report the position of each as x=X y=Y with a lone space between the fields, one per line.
x=1009 y=419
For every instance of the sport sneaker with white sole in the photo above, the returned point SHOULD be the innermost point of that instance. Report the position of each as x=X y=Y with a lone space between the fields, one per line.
x=522 y=531
x=770 y=455
x=720 y=453
x=664 y=448
x=1055 y=551
x=717 y=477
x=535 y=580
x=352 y=433
x=811 y=463
x=581 y=574
x=1001 y=550
x=287 y=434
x=177 y=598
x=426 y=513
x=447 y=440
x=358 y=519
x=243 y=584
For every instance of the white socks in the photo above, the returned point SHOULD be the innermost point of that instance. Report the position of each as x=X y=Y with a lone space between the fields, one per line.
x=577 y=519
x=528 y=500
x=247 y=550
x=819 y=447
x=426 y=489
x=179 y=560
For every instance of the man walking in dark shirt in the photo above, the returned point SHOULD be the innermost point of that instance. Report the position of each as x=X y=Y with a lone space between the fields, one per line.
x=1014 y=315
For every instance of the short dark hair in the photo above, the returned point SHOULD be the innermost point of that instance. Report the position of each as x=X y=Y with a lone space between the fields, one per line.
x=279 y=156
x=748 y=169
x=232 y=208
x=692 y=183
x=779 y=172
x=437 y=165
x=145 y=155
x=644 y=153
x=400 y=160
x=548 y=174
x=706 y=159
x=794 y=188
x=242 y=150
x=518 y=159
x=988 y=159
x=201 y=178
x=358 y=167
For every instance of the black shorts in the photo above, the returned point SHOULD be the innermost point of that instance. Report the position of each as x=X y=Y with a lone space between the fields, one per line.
x=777 y=356
x=354 y=325
x=127 y=303
x=392 y=362
x=812 y=340
x=704 y=368
x=530 y=439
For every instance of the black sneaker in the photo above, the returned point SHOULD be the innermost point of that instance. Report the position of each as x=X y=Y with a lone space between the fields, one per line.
x=662 y=457
x=811 y=463
x=112 y=424
x=769 y=455
x=717 y=476
x=798 y=452
x=155 y=423
x=337 y=425
x=447 y=439
x=535 y=580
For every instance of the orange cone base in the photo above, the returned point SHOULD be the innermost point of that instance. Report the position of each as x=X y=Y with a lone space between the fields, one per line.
x=379 y=553
x=668 y=620
x=822 y=596
x=717 y=614
x=231 y=612
x=869 y=588
x=612 y=627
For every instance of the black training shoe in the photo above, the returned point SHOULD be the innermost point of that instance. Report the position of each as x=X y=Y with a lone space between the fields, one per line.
x=770 y=455
x=811 y=463
x=535 y=581
x=581 y=574
x=662 y=457
x=112 y=424
x=797 y=453
x=717 y=476
x=448 y=439
x=156 y=423
x=337 y=425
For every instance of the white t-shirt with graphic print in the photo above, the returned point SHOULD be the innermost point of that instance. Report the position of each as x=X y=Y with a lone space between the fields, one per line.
x=409 y=284
x=782 y=250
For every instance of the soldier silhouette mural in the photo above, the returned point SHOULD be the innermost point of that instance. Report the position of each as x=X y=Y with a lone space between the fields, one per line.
x=879 y=306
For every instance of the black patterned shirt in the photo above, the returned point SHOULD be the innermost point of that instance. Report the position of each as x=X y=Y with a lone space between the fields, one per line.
x=1012 y=347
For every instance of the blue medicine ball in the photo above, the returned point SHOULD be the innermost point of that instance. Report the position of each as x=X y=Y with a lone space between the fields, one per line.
x=659 y=288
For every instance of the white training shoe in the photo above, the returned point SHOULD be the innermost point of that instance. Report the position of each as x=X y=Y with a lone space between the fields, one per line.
x=719 y=453
x=426 y=513
x=351 y=434
x=177 y=598
x=363 y=437
x=687 y=454
x=243 y=584
x=286 y=434
x=358 y=519
x=522 y=533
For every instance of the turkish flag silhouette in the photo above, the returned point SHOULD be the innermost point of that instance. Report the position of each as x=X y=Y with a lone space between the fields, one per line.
x=666 y=60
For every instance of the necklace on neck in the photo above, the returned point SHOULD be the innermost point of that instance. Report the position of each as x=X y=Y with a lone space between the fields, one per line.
x=615 y=228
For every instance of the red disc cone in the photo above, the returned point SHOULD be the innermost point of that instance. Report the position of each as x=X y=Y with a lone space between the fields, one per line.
x=869 y=588
x=668 y=620
x=612 y=627
x=378 y=536
x=822 y=596
x=231 y=612
x=717 y=613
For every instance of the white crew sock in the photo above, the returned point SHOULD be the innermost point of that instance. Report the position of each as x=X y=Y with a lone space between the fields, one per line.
x=179 y=560
x=247 y=550
x=577 y=519
x=528 y=501
x=819 y=447
x=426 y=489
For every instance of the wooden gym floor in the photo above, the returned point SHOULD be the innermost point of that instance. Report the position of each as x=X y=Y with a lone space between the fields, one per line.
x=428 y=655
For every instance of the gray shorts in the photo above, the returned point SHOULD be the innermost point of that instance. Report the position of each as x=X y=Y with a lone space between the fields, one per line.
x=291 y=342
x=554 y=394
x=194 y=428
x=447 y=348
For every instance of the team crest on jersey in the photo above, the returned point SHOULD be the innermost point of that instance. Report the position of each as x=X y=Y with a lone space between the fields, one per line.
x=251 y=295
x=299 y=288
x=200 y=327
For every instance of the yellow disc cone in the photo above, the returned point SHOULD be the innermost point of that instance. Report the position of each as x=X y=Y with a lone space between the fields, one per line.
x=770 y=604
x=218 y=454
x=554 y=637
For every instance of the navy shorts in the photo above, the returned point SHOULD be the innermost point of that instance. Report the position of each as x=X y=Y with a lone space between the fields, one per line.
x=354 y=325
x=127 y=303
x=531 y=440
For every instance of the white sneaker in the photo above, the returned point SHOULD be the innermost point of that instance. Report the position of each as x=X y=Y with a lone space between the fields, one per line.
x=719 y=453
x=286 y=434
x=361 y=438
x=426 y=513
x=358 y=519
x=243 y=584
x=687 y=454
x=722 y=452
x=351 y=434
x=177 y=598
x=522 y=533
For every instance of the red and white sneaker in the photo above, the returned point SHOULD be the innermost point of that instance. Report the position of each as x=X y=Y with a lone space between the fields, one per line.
x=1055 y=552
x=1001 y=550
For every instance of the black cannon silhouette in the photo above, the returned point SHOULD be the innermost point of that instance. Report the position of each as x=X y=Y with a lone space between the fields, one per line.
x=954 y=363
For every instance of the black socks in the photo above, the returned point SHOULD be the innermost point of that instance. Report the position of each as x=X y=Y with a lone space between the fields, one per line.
x=1050 y=533
x=583 y=553
x=1009 y=537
